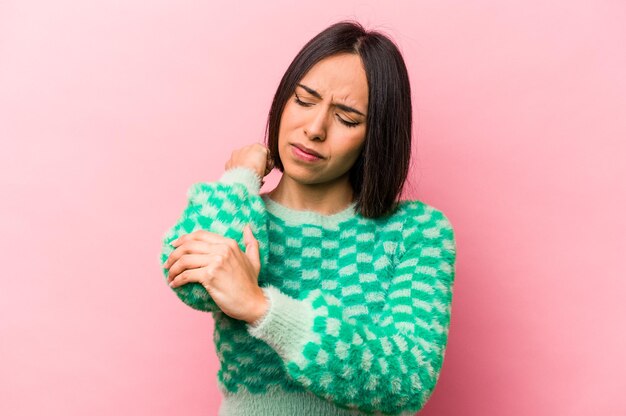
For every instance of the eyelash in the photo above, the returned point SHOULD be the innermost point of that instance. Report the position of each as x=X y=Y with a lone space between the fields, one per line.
x=302 y=103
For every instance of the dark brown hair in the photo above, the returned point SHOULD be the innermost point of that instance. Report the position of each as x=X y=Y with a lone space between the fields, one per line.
x=379 y=173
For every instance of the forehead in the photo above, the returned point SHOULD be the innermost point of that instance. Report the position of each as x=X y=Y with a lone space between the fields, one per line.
x=340 y=76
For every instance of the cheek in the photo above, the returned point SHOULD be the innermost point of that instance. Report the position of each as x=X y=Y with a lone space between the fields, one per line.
x=286 y=123
x=353 y=145
x=288 y=116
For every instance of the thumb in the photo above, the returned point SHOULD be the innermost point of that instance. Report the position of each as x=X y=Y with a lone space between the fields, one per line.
x=252 y=248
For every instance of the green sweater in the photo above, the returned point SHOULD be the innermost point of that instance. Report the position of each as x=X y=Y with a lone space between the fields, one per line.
x=359 y=308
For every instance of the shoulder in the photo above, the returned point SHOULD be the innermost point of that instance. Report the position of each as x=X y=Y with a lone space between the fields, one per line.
x=416 y=213
x=423 y=223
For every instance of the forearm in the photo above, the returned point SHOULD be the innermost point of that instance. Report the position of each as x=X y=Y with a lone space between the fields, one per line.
x=223 y=207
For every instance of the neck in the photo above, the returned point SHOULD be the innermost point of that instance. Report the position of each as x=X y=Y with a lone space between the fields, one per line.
x=325 y=198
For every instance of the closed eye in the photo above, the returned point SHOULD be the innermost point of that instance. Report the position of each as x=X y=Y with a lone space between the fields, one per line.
x=302 y=103
x=347 y=123
x=305 y=104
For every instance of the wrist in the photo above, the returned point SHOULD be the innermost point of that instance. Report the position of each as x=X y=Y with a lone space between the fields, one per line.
x=253 y=169
x=261 y=309
x=244 y=175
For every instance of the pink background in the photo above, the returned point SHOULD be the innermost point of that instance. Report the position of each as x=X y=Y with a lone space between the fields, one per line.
x=109 y=111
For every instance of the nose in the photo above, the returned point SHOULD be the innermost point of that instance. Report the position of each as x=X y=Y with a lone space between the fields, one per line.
x=316 y=125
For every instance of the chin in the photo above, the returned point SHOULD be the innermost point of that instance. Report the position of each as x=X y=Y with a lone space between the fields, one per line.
x=300 y=175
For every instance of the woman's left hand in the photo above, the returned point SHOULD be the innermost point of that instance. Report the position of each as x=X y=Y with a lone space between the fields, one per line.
x=228 y=274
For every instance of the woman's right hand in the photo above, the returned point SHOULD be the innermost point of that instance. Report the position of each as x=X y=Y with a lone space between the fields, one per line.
x=255 y=156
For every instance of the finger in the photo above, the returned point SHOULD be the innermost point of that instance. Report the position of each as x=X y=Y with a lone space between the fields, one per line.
x=190 y=247
x=248 y=235
x=212 y=244
x=252 y=248
x=200 y=275
x=269 y=166
x=186 y=277
x=187 y=262
x=260 y=146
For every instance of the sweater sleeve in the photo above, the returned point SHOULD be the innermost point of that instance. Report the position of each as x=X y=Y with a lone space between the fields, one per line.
x=389 y=366
x=223 y=207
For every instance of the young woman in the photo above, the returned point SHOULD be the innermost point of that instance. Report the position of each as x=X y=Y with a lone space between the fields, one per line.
x=330 y=296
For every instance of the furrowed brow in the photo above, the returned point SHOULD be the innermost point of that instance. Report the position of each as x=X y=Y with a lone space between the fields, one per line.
x=343 y=107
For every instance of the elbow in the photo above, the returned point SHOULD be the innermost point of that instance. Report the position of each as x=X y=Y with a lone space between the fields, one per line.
x=390 y=396
x=399 y=399
x=404 y=392
x=195 y=304
x=195 y=296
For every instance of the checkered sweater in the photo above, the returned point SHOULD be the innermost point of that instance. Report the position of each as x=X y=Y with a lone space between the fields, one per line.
x=359 y=308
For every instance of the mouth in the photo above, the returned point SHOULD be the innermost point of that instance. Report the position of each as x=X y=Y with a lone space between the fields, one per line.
x=308 y=151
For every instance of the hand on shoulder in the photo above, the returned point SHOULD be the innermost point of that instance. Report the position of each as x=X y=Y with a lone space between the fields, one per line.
x=255 y=156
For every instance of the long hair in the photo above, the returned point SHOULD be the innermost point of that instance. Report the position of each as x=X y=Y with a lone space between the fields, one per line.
x=379 y=173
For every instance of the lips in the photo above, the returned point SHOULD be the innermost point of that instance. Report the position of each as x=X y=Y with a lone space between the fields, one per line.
x=307 y=150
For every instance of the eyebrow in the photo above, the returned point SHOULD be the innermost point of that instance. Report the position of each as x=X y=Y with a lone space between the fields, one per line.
x=338 y=105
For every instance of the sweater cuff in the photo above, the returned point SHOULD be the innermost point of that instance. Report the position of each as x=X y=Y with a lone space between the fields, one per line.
x=287 y=325
x=245 y=176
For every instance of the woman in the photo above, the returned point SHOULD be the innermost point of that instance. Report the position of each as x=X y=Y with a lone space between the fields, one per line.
x=330 y=296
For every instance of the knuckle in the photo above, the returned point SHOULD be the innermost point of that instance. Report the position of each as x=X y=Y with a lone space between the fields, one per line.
x=231 y=244
x=208 y=275
x=223 y=250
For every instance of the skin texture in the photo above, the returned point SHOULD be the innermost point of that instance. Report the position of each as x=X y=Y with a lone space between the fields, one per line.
x=255 y=156
x=230 y=275
x=323 y=186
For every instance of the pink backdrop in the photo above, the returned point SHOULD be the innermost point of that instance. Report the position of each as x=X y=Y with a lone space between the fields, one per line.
x=109 y=111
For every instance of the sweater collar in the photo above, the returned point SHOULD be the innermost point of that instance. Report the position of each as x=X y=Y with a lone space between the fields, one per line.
x=295 y=216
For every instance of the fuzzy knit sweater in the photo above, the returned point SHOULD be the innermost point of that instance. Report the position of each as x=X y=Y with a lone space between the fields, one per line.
x=359 y=308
